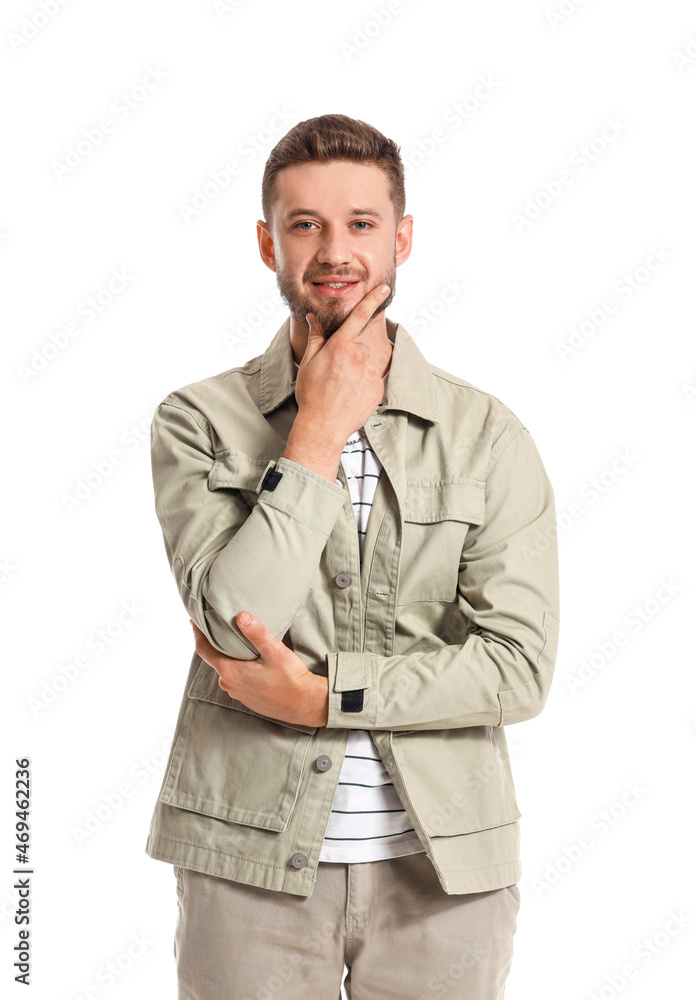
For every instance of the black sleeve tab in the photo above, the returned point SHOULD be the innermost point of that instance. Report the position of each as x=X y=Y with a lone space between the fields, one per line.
x=271 y=480
x=352 y=701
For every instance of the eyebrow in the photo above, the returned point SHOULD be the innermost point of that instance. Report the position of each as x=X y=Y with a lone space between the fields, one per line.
x=352 y=211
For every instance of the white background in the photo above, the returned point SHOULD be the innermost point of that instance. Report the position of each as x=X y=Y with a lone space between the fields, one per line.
x=232 y=83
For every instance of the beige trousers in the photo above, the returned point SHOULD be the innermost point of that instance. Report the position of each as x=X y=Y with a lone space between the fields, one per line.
x=390 y=922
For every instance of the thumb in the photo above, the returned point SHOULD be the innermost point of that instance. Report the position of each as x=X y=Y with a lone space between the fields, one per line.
x=315 y=339
x=257 y=632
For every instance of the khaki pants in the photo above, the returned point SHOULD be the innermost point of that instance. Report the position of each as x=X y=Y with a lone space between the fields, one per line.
x=391 y=922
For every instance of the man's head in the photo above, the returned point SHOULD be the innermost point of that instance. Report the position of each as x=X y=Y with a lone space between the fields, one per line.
x=333 y=198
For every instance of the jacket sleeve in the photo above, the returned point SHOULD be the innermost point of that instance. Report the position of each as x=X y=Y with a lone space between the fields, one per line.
x=226 y=556
x=507 y=610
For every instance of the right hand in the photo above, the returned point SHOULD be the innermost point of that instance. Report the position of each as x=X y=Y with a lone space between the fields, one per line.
x=338 y=388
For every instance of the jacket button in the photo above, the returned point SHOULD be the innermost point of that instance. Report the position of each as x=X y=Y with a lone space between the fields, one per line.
x=323 y=763
x=298 y=860
x=342 y=580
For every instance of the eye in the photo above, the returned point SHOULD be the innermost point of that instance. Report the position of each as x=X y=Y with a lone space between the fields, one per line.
x=360 y=222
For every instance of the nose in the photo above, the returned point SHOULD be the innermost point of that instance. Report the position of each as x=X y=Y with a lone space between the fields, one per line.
x=333 y=249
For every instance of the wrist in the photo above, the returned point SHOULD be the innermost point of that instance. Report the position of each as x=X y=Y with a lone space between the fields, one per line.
x=313 y=451
x=319 y=700
x=308 y=432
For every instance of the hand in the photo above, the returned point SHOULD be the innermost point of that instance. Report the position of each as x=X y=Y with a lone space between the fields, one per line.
x=337 y=386
x=276 y=684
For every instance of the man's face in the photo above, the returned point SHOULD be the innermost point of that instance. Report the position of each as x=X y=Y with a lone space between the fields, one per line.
x=334 y=222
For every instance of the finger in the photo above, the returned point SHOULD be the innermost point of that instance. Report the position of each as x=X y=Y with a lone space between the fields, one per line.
x=315 y=339
x=205 y=648
x=263 y=639
x=361 y=314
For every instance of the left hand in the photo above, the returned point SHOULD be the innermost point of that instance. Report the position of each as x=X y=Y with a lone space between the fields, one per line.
x=276 y=684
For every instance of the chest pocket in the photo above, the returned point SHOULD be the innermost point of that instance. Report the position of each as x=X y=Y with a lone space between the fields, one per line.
x=436 y=519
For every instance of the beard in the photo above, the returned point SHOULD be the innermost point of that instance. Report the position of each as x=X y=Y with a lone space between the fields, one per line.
x=331 y=315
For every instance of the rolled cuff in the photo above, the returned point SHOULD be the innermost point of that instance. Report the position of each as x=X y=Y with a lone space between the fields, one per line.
x=349 y=679
x=301 y=493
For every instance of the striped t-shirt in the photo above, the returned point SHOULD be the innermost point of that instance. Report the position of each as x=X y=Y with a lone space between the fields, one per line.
x=368 y=821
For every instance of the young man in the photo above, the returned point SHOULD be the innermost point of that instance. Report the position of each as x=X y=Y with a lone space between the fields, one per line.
x=339 y=791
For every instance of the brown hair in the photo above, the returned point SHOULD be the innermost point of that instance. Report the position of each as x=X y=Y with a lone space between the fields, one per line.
x=335 y=137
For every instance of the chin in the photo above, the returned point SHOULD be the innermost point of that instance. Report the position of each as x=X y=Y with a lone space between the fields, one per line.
x=330 y=326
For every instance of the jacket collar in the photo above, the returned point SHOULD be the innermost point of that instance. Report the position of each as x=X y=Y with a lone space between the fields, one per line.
x=410 y=385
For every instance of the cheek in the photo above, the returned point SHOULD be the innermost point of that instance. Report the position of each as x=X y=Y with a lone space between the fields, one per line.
x=378 y=261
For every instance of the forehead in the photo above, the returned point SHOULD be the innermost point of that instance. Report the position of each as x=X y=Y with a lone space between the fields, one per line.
x=335 y=187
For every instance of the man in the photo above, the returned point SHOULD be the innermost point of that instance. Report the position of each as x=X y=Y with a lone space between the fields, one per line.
x=338 y=792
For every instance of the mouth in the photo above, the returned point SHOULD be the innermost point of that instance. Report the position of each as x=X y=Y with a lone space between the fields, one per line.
x=335 y=289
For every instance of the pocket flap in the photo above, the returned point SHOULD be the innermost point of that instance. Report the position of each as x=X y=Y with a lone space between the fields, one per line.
x=236 y=766
x=447 y=500
x=460 y=779
x=237 y=471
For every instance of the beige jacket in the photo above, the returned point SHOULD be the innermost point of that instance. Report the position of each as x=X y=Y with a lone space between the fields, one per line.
x=445 y=634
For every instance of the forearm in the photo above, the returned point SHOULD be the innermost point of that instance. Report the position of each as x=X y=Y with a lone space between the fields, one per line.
x=480 y=682
x=507 y=610
x=227 y=555
x=281 y=541
x=267 y=568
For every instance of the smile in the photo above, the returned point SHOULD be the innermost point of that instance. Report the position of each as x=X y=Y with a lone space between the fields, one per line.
x=335 y=289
